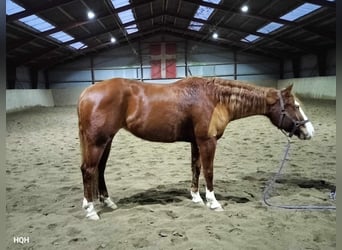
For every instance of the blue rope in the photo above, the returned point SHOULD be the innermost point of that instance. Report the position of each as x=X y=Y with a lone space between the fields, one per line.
x=269 y=187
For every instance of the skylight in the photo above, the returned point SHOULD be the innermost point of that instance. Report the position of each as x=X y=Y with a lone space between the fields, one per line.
x=126 y=16
x=301 y=11
x=13 y=8
x=203 y=12
x=270 y=28
x=294 y=14
x=36 y=23
x=62 y=36
x=131 y=29
x=196 y=26
x=212 y=1
x=119 y=3
x=250 y=38
x=78 y=45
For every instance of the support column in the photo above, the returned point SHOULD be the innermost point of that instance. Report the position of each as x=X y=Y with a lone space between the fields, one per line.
x=235 y=64
x=322 y=65
x=47 y=80
x=34 y=78
x=92 y=69
x=11 y=76
x=281 y=69
x=296 y=66
x=141 y=62
x=186 y=58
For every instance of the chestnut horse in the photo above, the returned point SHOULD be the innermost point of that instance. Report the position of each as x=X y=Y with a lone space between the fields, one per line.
x=195 y=110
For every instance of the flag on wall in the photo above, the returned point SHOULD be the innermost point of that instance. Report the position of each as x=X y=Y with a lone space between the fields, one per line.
x=163 y=60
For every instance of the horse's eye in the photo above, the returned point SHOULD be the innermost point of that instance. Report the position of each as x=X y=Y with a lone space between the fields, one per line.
x=297 y=107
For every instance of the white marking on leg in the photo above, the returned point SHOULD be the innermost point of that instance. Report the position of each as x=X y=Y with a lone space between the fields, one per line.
x=309 y=127
x=196 y=198
x=109 y=203
x=212 y=203
x=90 y=210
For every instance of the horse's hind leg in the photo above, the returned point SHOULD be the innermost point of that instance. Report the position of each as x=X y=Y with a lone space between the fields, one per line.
x=104 y=197
x=91 y=157
x=196 y=171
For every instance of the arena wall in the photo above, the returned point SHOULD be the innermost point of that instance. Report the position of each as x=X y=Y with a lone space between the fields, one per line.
x=18 y=99
x=312 y=87
x=67 y=96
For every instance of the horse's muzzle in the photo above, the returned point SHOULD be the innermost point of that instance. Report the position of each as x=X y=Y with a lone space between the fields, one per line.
x=305 y=133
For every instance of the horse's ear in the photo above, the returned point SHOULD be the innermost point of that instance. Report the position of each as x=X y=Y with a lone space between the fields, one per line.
x=287 y=90
x=271 y=97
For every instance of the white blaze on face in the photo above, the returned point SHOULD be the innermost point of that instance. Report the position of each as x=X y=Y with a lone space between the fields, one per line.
x=309 y=127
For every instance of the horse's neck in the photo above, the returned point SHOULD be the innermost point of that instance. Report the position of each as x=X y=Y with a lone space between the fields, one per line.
x=243 y=102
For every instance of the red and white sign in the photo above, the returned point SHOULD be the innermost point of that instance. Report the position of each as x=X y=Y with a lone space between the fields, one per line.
x=163 y=60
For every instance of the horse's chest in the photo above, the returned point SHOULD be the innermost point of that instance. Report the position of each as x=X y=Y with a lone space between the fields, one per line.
x=218 y=121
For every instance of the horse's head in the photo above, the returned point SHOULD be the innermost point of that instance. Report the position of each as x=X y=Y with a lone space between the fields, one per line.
x=285 y=113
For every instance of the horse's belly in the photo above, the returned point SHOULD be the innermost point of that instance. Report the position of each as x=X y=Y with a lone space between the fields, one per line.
x=161 y=131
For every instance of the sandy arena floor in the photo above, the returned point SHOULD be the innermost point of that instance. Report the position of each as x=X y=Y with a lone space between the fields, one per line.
x=150 y=183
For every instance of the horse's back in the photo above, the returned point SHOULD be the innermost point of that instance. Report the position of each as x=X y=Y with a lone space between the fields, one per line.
x=155 y=112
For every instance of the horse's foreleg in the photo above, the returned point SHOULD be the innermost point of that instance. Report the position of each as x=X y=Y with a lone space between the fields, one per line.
x=207 y=152
x=104 y=197
x=196 y=171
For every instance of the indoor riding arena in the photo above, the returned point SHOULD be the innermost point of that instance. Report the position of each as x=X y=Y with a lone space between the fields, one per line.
x=273 y=183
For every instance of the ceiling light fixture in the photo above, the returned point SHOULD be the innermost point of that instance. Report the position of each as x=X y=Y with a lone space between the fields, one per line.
x=244 y=8
x=215 y=35
x=91 y=14
x=113 y=40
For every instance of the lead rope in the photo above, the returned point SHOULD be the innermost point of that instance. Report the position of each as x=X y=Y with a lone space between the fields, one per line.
x=270 y=187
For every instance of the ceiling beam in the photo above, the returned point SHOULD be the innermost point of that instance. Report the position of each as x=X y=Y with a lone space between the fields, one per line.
x=66 y=44
x=45 y=5
x=69 y=25
x=231 y=11
x=304 y=47
x=323 y=3
x=225 y=44
x=121 y=42
x=43 y=35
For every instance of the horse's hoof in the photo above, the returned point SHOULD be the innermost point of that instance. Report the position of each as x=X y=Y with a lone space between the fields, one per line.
x=110 y=204
x=198 y=202
x=92 y=216
x=215 y=207
x=218 y=209
x=196 y=198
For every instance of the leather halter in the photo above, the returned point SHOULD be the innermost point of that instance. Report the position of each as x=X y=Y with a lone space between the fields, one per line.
x=296 y=123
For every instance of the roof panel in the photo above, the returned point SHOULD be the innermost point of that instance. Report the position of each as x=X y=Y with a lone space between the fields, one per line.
x=78 y=45
x=203 y=12
x=62 y=36
x=196 y=26
x=131 y=29
x=301 y=11
x=13 y=8
x=268 y=28
x=119 y=3
x=250 y=38
x=36 y=23
x=212 y=1
x=126 y=16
